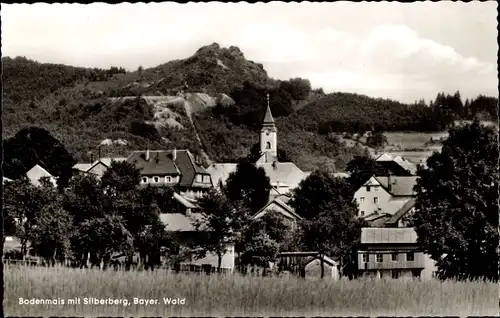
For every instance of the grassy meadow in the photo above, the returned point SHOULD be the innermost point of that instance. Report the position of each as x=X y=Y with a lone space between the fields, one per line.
x=237 y=295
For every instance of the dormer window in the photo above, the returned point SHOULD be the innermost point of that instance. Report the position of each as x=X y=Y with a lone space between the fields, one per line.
x=144 y=180
x=156 y=179
x=168 y=179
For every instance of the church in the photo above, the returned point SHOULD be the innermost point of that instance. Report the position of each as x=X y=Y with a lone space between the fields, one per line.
x=284 y=176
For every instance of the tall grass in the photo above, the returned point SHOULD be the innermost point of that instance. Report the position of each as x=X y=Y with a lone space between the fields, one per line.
x=236 y=295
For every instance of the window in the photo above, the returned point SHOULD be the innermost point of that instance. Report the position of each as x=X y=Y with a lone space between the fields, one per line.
x=156 y=179
x=375 y=200
x=375 y=189
x=395 y=274
x=268 y=145
x=362 y=200
x=168 y=179
x=410 y=257
x=362 y=213
x=394 y=257
x=365 y=258
x=206 y=179
x=199 y=178
x=144 y=180
x=368 y=188
x=380 y=258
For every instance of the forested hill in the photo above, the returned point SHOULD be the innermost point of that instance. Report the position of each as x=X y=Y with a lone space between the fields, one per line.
x=223 y=104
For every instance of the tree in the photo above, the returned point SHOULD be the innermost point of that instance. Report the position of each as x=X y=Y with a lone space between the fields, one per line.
x=23 y=204
x=333 y=228
x=318 y=189
x=85 y=200
x=376 y=140
x=103 y=237
x=298 y=88
x=121 y=177
x=248 y=184
x=334 y=233
x=33 y=145
x=456 y=216
x=52 y=231
x=361 y=169
x=263 y=238
x=221 y=221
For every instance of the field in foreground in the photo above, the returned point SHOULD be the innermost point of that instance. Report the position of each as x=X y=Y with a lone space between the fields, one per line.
x=236 y=295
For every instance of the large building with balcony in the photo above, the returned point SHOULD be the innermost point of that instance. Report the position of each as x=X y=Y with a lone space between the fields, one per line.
x=174 y=167
x=393 y=253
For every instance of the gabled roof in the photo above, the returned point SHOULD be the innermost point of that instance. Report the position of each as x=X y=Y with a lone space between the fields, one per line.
x=84 y=167
x=36 y=173
x=325 y=258
x=107 y=160
x=400 y=186
x=184 y=164
x=284 y=173
x=372 y=235
x=159 y=163
x=190 y=204
x=402 y=211
x=280 y=203
x=179 y=222
x=385 y=157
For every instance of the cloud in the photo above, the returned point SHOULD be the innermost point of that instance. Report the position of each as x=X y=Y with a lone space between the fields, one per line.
x=390 y=61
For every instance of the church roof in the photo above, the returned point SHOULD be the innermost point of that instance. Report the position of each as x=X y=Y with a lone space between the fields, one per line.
x=284 y=173
x=268 y=117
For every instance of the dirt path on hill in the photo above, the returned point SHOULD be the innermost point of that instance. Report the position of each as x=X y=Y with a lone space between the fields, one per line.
x=189 y=113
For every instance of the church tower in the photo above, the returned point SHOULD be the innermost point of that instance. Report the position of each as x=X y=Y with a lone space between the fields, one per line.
x=268 y=138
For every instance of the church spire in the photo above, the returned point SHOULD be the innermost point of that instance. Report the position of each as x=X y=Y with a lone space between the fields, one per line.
x=268 y=118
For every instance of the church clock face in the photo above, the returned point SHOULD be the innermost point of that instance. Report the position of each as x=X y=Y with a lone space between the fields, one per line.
x=267 y=132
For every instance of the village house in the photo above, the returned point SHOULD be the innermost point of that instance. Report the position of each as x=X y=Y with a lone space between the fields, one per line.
x=385 y=196
x=396 y=165
x=393 y=253
x=172 y=168
x=180 y=225
x=37 y=172
x=308 y=264
x=284 y=176
x=96 y=168
x=279 y=204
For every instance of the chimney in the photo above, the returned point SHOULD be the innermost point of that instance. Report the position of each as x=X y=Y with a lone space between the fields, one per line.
x=389 y=183
x=147 y=154
x=91 y=157
x=174 y=154
x=99 y=152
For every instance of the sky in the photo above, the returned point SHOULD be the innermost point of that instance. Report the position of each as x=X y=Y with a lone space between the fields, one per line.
x=402 y=51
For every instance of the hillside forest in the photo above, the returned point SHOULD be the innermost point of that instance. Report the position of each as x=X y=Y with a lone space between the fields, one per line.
x=211 y=103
